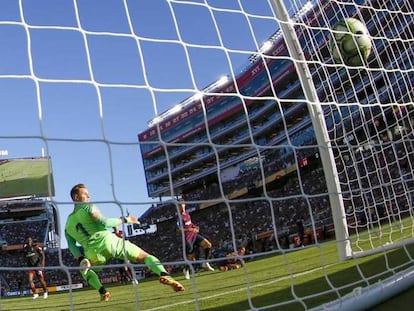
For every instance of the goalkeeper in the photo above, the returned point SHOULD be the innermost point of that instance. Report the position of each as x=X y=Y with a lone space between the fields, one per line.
x=87 y=226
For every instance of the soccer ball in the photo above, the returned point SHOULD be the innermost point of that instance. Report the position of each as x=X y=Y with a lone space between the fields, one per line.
x=351 y=43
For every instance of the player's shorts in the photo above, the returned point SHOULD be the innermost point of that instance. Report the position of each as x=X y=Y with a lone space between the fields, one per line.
x=106 y=245
x=189 y=245
x=37 y=272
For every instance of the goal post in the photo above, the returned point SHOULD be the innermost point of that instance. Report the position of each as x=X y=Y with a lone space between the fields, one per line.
x=318 y=123
x=375 y=218
x=354 y=115
x=298 y=165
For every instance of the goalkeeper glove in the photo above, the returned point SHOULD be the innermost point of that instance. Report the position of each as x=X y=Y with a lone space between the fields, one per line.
x=130 y=220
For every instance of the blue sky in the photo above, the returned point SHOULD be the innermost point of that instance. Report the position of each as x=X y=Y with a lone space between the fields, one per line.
x=80 y=79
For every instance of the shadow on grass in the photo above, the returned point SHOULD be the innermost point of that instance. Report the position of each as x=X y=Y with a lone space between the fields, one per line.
x=334 y=285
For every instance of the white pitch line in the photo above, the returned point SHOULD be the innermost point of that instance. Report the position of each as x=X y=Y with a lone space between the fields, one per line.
x=233 y=291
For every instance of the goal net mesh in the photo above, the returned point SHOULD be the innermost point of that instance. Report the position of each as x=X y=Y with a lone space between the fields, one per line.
x=293 y=111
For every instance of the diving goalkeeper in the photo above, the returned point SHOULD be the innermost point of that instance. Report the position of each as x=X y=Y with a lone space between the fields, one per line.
x=88 y=227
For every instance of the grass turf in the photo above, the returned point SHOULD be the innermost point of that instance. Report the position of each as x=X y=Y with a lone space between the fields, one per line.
x=295 y=280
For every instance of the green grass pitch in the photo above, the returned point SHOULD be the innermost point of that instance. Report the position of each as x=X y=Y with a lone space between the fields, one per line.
x=287 y=281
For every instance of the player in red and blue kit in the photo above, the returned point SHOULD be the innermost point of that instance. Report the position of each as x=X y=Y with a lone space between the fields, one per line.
x=193 y=239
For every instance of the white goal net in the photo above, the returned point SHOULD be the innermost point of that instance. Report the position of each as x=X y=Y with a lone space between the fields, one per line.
x=306 y=156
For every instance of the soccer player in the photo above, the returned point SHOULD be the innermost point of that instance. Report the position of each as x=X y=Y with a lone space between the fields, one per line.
x=193 y=239
x=35 y=258
x=231 y=261
x=87 y=226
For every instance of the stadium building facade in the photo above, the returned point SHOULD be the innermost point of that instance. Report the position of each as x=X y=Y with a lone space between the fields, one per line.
x=260 y=119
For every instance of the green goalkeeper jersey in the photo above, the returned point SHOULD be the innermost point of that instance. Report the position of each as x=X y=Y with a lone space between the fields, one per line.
x=86 y=226
x=81 y=227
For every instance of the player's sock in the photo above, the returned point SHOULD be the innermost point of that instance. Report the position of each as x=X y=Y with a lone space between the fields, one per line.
x=154 y=265
x=92 y=278
x=207 y=253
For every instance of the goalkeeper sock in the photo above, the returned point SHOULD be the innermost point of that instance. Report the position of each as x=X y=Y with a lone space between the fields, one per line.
x=92 y=278
x=102 y=290
x=154 y=265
